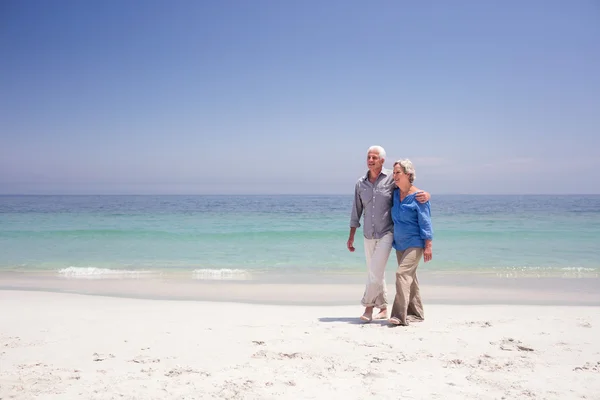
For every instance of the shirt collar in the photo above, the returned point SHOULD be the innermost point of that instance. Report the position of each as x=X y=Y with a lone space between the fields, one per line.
x=384 y=172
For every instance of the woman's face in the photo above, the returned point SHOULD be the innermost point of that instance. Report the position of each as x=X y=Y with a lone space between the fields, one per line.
x=400 y=177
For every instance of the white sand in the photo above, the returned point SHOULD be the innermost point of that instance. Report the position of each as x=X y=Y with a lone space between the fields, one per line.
x=65 y=346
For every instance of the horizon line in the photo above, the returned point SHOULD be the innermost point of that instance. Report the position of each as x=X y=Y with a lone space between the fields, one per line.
x=284 y=194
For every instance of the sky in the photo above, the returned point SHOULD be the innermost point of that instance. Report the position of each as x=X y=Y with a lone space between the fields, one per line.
x=285 y=97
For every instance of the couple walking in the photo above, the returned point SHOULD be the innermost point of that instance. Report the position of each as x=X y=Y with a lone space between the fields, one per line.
x=395 y=215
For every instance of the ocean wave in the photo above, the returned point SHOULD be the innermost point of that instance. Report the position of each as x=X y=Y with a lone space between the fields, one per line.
x=99 y=273
x=220 y=274
x=183 y=236
x=549 y=268
x=550 y=271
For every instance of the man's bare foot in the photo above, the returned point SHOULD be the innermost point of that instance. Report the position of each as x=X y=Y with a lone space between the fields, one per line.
x=382 y=314
x=368 y=315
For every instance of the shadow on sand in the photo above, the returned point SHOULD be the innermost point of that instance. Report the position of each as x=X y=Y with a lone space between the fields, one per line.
x=352 y=320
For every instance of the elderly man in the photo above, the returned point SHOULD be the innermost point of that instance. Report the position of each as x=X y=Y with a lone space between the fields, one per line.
x=373 y=201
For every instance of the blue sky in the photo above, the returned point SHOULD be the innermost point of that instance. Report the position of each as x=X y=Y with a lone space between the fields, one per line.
x=187 y=97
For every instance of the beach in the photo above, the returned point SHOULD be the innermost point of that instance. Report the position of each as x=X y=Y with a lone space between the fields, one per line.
x=257 y=297
x=58 y=345
x=200 y=200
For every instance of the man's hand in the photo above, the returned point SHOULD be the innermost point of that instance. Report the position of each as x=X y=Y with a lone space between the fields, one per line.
x=423 y=197
x=350 y=244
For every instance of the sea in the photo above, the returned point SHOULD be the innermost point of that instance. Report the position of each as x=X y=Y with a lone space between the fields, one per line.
x=254 y=237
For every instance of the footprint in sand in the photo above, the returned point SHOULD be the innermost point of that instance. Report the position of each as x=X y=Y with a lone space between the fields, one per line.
x=481 y=324
x=510 y=344
x=488 y=363
x=292 y=355
x=177 y=371
x=454 y=363
x=27 y=366
x=260 y=354
x=589 y=366
x=145 y=360
x=101 y=357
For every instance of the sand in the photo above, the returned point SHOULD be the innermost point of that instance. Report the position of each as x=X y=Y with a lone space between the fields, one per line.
x=439 y=288
x=66 y=346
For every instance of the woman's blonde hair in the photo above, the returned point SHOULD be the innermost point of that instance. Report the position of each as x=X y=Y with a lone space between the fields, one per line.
x=407 y=168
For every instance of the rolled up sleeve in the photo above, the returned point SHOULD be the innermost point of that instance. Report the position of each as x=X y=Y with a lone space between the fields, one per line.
x=425 y=226
x=357 y=208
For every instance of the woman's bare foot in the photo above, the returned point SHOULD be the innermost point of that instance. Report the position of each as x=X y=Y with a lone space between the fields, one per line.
x=397 y=321
x=382 y=314
x=414 y=318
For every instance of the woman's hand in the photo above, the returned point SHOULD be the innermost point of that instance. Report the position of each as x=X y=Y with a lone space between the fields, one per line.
x=427 y=254
x=427 y=251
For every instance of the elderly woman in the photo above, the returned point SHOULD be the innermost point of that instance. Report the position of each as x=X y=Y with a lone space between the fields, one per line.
x=413 y=234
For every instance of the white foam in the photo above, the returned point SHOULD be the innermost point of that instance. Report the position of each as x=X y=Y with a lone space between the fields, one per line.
x=579 y=269
x=540 y=271
x=99 y=273
x=546 y=268
x=221 y=274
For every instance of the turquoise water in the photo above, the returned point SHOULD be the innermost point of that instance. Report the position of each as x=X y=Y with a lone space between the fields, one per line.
x=222 y=236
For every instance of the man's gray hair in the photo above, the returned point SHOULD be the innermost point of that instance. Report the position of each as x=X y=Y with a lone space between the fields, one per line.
x=407 y=168
x=378 y=149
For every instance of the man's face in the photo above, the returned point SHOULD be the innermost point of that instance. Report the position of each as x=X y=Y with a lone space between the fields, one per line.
x=374 y=162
